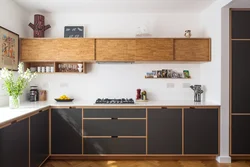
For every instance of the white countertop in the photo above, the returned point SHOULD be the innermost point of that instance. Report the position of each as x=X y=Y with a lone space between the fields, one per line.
x=7 y=114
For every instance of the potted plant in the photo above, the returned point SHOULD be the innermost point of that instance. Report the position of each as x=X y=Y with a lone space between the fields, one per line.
x=15 y=84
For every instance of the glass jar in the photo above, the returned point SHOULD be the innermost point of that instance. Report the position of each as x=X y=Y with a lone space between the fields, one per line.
x=34 y=94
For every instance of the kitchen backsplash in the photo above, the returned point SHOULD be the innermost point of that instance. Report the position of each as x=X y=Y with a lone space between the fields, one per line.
x=120 y=80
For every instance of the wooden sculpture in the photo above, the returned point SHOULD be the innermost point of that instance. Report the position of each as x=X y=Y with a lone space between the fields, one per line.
x=38 y=27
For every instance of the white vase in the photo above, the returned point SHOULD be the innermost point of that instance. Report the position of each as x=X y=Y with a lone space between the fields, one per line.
x=14 y=102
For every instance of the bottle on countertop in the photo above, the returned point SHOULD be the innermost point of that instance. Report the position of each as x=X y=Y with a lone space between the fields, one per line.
x=144 y=95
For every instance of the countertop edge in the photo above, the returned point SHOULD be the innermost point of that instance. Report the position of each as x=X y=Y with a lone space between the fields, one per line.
x=46 y=106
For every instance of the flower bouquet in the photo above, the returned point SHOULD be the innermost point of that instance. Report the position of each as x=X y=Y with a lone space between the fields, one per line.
x=15 y=85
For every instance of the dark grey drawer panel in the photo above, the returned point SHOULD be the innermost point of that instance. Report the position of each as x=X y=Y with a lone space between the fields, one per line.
x=114 y=113
x=114 y=127
x=114 y=146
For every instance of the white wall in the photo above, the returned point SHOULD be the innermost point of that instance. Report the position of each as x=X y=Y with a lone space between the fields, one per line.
x=124 y=25
x=14 y=18
x=122 y=80
x=215 y=23
x=118 y=80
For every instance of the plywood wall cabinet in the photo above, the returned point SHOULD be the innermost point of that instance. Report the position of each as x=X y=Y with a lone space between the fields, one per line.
x=158 y=49
x=38 y=49
x=115 y=49
x=192 y=49
x=58 y=49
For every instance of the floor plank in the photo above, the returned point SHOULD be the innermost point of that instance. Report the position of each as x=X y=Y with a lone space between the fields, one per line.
x=81 y=163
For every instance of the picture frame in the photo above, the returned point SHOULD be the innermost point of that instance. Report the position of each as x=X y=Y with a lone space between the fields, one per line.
x=9 y=49
x=74 y=32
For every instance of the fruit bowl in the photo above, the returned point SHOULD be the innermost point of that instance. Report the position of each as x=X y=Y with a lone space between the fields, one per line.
x=64 y=100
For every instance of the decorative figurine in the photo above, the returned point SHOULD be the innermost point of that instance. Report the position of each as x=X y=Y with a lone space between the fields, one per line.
x=39 y=26
x=138 y=96
x=197 y=92
x=188 y=34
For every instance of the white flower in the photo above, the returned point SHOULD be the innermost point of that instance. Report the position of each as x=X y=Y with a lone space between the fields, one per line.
x=20 y=68
x=14 y=85
x=5 y=73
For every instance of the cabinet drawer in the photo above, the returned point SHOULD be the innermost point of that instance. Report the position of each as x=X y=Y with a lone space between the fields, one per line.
x=114 y=146
x=114 y=127
x=114 y=113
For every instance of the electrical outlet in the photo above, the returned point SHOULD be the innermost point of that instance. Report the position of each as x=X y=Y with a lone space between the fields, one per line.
x=170 y=85
x=186 y=85
x=64 y=85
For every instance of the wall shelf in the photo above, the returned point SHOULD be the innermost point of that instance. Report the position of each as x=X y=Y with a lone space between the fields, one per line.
x=59 y=67
x=166 y=78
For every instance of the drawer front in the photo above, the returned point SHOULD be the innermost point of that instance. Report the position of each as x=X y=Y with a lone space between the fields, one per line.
x=114 y=146
x=114 y=113
x=114 y=127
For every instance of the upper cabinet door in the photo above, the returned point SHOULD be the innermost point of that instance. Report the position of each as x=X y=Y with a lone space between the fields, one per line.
x=192 y=49
x=240 y=25
x=38 y=49
x=75 y=49
x=79 y=49
x=154 y=49
x=115 y=49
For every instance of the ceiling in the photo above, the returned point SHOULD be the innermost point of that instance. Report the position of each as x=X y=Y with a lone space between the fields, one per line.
x=115 y=6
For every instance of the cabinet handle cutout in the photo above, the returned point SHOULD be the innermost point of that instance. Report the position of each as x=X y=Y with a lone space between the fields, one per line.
x=114 y=137
x=114 y=118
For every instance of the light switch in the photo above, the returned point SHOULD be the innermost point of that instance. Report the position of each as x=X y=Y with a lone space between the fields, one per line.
x=186 y=85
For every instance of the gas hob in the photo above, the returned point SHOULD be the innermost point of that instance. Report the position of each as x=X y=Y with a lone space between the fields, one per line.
x=114 y=101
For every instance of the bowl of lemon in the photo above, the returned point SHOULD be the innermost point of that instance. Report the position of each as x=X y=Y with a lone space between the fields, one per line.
x=64 y=98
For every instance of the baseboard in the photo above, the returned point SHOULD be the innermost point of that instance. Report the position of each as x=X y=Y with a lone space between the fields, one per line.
x=57 y=157
x=223 y=159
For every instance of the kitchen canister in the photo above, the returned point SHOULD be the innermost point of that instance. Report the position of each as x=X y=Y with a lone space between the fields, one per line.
x=43 y=69
x=47 y=69
x=51 y=69
x=39 y=69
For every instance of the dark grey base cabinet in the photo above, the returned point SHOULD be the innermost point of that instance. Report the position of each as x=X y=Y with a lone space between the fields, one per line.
x=165 y=131
x=114 y=127
x=240 y=134
x=66 y=131
x=14 y=145
x=201 y=131
x=114 y=146
x=39 y=138
x=114 y=113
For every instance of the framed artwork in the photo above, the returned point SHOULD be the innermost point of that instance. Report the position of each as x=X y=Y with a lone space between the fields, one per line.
x=9 y=52
x=74 y=32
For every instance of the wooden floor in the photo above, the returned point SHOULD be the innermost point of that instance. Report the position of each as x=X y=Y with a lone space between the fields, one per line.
x=78 y=163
